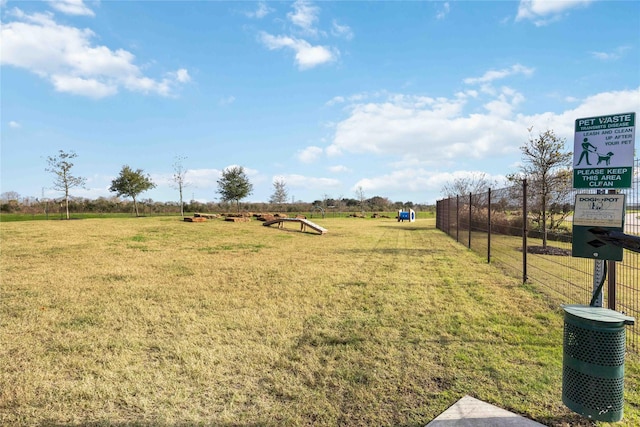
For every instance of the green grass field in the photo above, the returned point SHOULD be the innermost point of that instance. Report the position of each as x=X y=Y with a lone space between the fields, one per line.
x=154 y=321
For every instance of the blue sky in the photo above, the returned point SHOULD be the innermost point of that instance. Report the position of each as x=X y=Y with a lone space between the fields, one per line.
x=397 y=97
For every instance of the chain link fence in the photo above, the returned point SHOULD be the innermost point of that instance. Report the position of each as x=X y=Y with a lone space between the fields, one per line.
x=506 y=227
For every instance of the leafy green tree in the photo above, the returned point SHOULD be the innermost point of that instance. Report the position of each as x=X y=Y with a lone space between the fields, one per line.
x=280 y=193
x=546 y=169
x=60 y=165
x=378 y=203
x=234 y=185
x=130 y=183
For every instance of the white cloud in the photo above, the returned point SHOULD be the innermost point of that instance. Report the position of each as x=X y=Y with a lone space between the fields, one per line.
x=563 y=123
x=310 y=183
x=309 y=154
x=504 y=104
x=81 y=86
x=261 y=11
x=543 y=12
x=433 y=133
x=415 y=180
x=617 y=53
x=444 y=11
x=71 y=7
x=202 y=178
x=397 y=182
x=14 y=125
x=492 y=75
x=306 y=55
x=335 y=100
x=304 y=16
x=339 y=169
x=182 y=75
x=66 y=57
x=227 y=100
x=343 y=31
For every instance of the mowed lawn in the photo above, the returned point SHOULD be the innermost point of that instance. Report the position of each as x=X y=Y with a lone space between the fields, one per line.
x=155 y=321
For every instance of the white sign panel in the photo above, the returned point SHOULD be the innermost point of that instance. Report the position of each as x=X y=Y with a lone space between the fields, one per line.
x=599 y=210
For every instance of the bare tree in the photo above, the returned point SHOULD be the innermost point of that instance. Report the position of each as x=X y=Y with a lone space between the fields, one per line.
x=280 y=193
x=9 y=195
x=546 y=169
x=60 y=165
x=179 y=178
x=339 y=203
x=474 y=183
x=361 y=197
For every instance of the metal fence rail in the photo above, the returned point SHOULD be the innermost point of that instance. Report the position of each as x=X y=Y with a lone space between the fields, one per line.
x=500 y=226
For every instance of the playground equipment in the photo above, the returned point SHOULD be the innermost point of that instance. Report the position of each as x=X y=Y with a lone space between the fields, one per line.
x=304 y=223
x=406 y=216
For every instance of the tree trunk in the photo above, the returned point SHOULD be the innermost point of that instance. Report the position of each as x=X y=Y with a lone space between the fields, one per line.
x=66 y=198
x=544 y=221
x=135 y=205
x=181 y=204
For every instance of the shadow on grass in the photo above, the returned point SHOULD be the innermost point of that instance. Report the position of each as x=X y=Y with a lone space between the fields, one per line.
x=412 y=227
x=394 y=251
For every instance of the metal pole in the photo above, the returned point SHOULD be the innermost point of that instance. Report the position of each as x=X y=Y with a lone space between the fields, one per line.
x=449 y=216
x=611 y=286
x=489 y=227
x=598 y=276
x=524 y=231
x=457 y=218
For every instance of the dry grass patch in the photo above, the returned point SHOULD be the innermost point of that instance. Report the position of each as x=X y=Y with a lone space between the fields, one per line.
x=154 y=321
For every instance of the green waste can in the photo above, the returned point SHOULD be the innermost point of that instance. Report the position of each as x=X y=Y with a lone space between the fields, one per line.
x=593 y=361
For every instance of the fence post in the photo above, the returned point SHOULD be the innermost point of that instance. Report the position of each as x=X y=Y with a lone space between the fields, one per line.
x=449 y=216
x=489 y=227
x=470 y=199
x=457 y=218
x=611 y=286
x=611 y=283
x=524 y=231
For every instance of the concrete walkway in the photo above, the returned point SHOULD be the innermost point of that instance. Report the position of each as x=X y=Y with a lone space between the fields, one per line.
x=471 y=412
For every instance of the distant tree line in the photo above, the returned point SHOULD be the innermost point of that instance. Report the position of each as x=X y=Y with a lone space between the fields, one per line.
x=12 y=202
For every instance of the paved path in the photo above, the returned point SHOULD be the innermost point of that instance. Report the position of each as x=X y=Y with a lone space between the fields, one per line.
x=471 y=412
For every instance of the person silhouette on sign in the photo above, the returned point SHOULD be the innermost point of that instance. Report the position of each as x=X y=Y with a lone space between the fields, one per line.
x=587 y=148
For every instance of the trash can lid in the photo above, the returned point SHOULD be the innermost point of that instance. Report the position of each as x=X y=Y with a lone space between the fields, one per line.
x=598 y=314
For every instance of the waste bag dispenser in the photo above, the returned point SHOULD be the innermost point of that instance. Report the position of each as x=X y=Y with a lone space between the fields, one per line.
x=593 y=361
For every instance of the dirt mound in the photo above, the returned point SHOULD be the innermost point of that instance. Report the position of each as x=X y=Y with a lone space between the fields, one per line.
x=549 y=250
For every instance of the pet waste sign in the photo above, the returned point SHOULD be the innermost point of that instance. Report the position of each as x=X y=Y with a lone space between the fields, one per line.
x=603 y=152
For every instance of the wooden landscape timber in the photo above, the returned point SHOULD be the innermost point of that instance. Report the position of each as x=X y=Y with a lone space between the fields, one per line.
x=237 y=218
x=195 y=219
x=205 y=215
